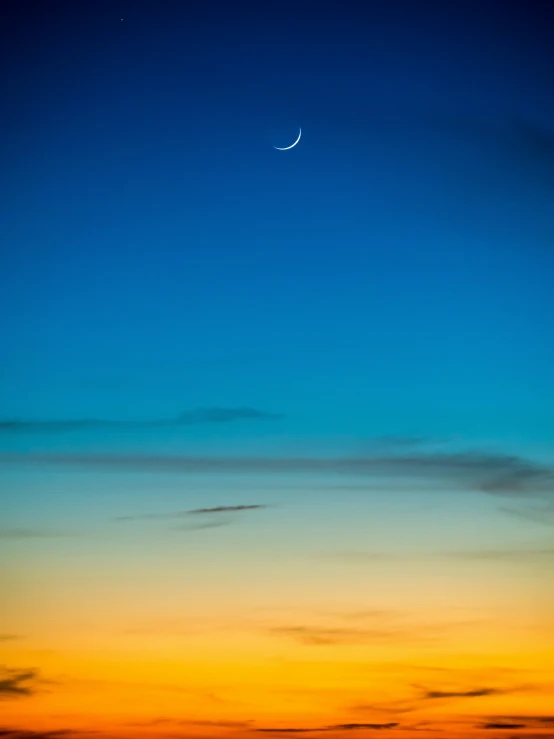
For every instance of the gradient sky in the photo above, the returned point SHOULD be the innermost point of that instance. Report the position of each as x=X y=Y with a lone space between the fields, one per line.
x=276 y=427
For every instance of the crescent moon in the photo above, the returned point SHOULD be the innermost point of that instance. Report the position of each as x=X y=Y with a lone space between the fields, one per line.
x=285 y=148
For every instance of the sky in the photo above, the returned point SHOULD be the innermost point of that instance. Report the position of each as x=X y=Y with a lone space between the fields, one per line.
x=276 y=427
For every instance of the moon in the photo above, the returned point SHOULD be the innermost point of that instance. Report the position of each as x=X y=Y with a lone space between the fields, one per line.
x=285 y=148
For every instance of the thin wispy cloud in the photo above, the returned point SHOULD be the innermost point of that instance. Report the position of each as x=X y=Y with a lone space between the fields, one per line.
x=505 y=555
x=162 y=721
x=173 y=515
x=380 y=632
x=515 y=555
x=541 y=514
x=228 y=509
x=215 y=415
x=495 y=474
x=10 y=637
x=321 y=636
x=201 y=526
x=217 y=724
x=520 y=150
x=424 y=697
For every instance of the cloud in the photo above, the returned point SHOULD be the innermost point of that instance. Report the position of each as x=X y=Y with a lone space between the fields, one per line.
x=542 y=514
x=201 y=526
x=185 y=722
x=354 y=727
x=518 y=722
x=16 y=683
x=321 y=636
x=184 y=514
x=501 y=726
x=483 y=555
x=519 y=150
x=473 y=693
x=219 y=724
x=228 y=509
x=421 y=700
x=187 y=418
x=496 y=474
x=10 y=637
x=10 y=733
x=362 y=627
x=334 y=727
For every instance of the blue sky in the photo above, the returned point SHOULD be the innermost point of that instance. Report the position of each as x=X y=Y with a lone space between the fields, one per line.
x=391 y=274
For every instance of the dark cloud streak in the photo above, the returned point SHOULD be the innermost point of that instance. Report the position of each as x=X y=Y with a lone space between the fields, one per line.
x=227 y=509
x=501 y=726
x=17 y=683
x=185 y=514
x=496 y=474
x=30 y=734
x=187 y=418
x=474 y=693
x=333 y=727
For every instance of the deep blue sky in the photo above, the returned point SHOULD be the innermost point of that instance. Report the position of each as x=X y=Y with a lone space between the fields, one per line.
x=391 y=274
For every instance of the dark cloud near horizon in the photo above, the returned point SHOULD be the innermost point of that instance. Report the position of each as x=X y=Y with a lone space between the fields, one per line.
x=17 y=683
x=10 y=733
x=501 y=726
x=10 y=637
x=187 y=418
x=333 y=727
x=185 y=722
x=425 y=696
x=495 y=474
x=530 y=720
x=355 y=727
x=473 y=693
